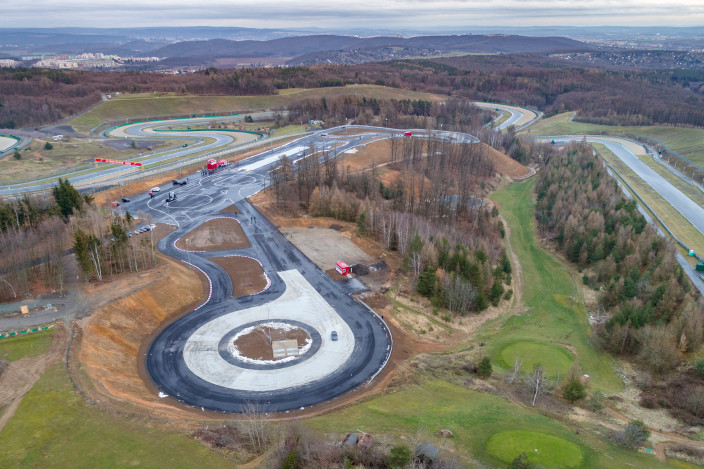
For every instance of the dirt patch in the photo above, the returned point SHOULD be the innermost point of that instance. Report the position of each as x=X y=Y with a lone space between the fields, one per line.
x=504 y=164
x=257 y=344
x=20 y=375
x=112 y=343
x=679 y=397
x=325 y=247
x=361 y=158
x=230 y=209
x=246 y=274
x=215 y=235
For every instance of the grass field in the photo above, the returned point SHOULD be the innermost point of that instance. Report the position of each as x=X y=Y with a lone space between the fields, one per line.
x=553 y=358
x=541 y=448
x=29 y=345
x=552 y=318
x=679 y=225
x=687 y=142
x=76 y=154
x=54 y=428
x=474 y=418
x=149 y=105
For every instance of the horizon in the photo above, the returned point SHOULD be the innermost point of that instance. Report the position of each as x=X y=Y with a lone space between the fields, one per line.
x=389 y=15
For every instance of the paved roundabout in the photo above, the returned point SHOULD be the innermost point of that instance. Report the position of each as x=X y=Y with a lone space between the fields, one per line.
x=192 y=358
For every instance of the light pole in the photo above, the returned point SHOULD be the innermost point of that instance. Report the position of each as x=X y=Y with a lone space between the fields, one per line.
x=188 y=254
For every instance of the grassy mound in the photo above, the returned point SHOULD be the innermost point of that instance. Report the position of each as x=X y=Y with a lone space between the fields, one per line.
x=553 y=357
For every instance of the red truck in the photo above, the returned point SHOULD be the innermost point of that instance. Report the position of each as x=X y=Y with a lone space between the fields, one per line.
x=212 y=164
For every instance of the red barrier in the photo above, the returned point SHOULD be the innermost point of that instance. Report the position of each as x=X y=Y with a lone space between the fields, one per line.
x=128 y=163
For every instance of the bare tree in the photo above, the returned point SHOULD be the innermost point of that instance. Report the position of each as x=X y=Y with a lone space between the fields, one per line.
x=256 y=426
x=537 y=383
x=515 y=369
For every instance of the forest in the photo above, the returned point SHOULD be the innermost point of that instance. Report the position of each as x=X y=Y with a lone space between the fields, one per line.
x=426 y=203
x=38 y=234
x=32 y=97
x=651 y=302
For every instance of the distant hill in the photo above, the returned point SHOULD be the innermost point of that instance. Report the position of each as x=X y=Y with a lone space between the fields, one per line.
x=306 y=50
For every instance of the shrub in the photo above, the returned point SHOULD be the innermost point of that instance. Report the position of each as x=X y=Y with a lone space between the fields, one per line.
x=573 y=390
x=595 y=403
x=48 y=146
x=521 y=462
x=291 y=461
x=699 y=367
x=633 y=435
x=485 y=369
x=17 y=155
x=399 y=456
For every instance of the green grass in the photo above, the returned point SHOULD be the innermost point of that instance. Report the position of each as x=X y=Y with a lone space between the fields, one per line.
x=473 y=417
x=54 y=428
x=148 y=105
x=678 y=224
x=688 y=142
x=553 y=358
x=29 y=345
x=541 y=448
x=547 y=286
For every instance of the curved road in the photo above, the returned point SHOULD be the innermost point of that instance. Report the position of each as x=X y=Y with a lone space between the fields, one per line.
x=190 y=361
x=689 y=209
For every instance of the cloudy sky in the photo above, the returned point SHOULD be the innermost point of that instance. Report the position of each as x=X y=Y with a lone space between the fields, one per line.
x=387 y=14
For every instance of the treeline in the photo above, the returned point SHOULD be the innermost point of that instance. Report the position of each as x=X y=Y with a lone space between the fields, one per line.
x=650 y=300
x=457 y=114
x=428 y=207
x=38 y=232
x=104 y=245
x=31 y=97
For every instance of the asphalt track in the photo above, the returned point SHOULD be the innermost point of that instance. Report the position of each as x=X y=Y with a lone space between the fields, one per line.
x=189 y=360
x=689 y=209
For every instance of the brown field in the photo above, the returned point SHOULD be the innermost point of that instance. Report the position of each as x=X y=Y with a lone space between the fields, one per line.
x=257 y=343
x=325 y=247
x=112 y=341
x=503 y=164
x=215 y=235
x=246 y=274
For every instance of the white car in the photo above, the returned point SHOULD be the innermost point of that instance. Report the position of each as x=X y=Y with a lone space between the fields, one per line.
x=155 y=189
x=152 y=226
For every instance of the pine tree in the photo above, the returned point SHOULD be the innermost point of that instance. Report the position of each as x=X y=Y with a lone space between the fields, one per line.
x=573 y=390
x=485 y=369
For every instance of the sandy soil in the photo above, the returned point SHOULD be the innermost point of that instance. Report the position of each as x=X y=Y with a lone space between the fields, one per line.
x=230 y=209
x=256 y=344
x=215 y=235
x=246 y=274
x=361 y=158
x=113 y=341
x=20 y=375
x=325 y=246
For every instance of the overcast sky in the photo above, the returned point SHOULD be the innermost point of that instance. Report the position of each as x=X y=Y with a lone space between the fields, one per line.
x=350 y=13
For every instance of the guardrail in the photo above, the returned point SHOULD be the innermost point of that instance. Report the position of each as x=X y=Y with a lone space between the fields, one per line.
x=645 y=204
x=21 y=332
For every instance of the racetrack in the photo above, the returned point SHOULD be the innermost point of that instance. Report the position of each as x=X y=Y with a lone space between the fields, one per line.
x=190 y=360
